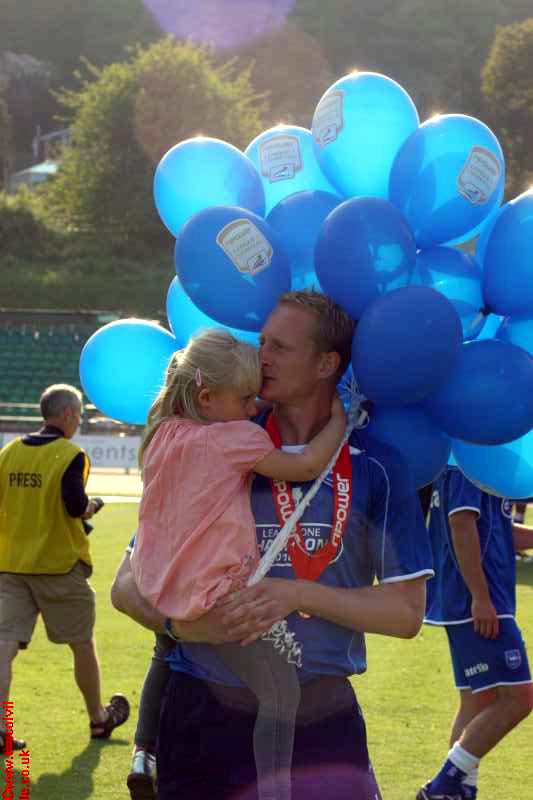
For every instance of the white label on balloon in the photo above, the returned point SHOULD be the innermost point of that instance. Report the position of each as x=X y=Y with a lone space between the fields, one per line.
x=328 y=119
x=280 y=158
x=245 y=246
x=480 y=176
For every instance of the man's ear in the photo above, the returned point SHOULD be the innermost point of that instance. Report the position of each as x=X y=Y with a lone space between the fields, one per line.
x=329 y=364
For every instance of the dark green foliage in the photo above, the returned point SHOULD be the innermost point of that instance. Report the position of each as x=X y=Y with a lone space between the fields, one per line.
x=127 y=117
x=508 y=90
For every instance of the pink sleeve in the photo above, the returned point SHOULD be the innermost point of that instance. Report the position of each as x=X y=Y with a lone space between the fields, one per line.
x=239 y=444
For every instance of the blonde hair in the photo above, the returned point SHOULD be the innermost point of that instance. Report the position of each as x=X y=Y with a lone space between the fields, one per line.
x=213 y=359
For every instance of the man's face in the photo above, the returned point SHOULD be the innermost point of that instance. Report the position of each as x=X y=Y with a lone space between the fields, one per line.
x=290 y=359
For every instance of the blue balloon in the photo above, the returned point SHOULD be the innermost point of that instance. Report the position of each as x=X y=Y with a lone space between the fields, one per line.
x=405 y=345
x=491 y=326
x=358 y=127
x=518 y=332
x=508 y=260
x=505 y=470
x=284 y=157
x=447 y=178
x=203 y=172
x=488 y=397
x=298 y=220
x=424 y=446
x=186 y=319
x=364 y=249
x=232 y=265
x=122 y=367
x=473 y=237
x=484 y=234
x=458 y=277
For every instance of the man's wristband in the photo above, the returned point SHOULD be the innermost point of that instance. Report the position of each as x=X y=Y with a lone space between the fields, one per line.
x=169 y=631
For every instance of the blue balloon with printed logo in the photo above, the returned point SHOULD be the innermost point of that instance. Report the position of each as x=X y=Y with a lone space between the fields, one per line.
x=424 y=446
x=202 y=172
x=405 y=345
x=122 y=367
x=505 y=470
x=298 y=220
x=447 y=178
x=508 y=260
x=232 y=265
x=358 y=127
x=285 y=159
x=457 y=276
x=488 y=396
x=186 y=319
x=364 y=249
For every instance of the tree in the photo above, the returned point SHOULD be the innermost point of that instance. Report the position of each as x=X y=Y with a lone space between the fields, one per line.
x=434 y=48
x=4 y=138
x=128 y=116
x=508 y=90
x=289 y=66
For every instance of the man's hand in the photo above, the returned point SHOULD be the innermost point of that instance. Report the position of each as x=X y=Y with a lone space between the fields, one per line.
x=244 y=615
x=486 y=621
x=250 y=612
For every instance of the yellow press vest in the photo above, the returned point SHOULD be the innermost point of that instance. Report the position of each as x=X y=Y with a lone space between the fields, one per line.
x=37 y=535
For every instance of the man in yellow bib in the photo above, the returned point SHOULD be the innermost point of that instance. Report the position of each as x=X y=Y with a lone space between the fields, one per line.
x=44 y=554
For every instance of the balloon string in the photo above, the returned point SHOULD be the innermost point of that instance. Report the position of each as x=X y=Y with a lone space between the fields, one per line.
x=357 y=417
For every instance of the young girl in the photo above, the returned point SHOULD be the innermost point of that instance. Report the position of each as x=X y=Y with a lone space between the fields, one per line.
x=196 y=540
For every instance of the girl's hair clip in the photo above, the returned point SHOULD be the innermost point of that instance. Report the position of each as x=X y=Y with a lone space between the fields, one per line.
x=198 y=377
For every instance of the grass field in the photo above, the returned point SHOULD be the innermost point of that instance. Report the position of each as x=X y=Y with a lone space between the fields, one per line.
x=407 y=696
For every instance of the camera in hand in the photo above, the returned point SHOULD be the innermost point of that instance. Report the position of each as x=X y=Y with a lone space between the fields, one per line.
x=97 y=505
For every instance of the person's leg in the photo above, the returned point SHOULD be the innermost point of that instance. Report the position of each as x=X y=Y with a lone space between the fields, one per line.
x=87 y=676
x=205 y=741
x=142 y=774
x=331 y=758
x=67 y=605
x=18 y=615
x=152 y=692
x=275 y=684
x=470 y=705
x=512 y=705
x=498 y=671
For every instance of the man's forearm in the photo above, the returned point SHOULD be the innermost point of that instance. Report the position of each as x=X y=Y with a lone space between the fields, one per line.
x=468 y=552
x=523 y=537
x=126 y=598
x=391 y=609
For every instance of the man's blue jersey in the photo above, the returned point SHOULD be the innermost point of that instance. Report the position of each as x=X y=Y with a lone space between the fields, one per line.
x=386 y=540
x=449 y=601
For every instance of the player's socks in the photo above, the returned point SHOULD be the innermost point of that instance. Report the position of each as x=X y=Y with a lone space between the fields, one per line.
x=462 y=759
x=470 y=784
x=447 y=782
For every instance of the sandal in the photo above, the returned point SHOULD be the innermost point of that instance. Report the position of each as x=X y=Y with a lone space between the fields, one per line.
x=118 y=711
x=7 y=745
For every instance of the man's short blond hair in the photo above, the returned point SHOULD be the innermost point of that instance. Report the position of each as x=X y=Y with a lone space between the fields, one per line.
x=334 y=329
x=59 y=396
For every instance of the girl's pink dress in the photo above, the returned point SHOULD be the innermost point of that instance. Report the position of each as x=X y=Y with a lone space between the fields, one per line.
x=196 y=537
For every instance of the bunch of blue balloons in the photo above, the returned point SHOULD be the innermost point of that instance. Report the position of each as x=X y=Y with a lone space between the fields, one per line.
x=373 y=208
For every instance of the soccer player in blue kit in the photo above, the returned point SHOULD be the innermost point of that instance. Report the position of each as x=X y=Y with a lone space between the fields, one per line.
x=473 y=596
x=343 y=575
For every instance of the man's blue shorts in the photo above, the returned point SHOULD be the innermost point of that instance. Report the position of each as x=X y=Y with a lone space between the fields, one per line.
x=480 y=664
x=205 y=743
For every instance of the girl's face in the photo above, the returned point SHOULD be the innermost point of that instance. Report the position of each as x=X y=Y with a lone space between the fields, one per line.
x=227 y=405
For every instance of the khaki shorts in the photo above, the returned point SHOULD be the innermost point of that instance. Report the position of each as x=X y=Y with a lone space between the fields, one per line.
x=66 y=602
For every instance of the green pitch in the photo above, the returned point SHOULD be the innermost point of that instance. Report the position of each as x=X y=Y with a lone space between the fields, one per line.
x=407 y=696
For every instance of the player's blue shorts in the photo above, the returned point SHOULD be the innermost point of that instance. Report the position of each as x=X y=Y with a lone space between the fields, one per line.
x=480 y=663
